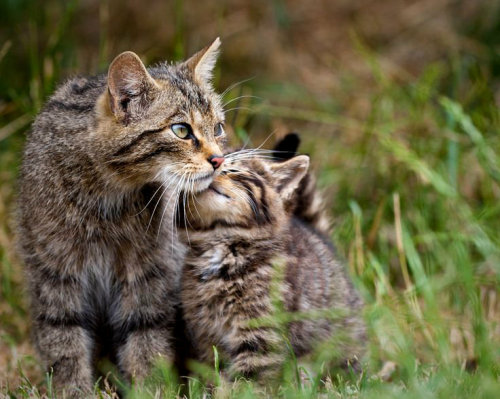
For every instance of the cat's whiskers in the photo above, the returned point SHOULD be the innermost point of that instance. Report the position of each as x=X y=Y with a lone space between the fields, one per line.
x=266 y=139
x=252 y=156
x=243 y=172
x=247 y=141
x=173 y=222
x=156 y=206
x=162 y=185
x=175 y=194
x=233 y=85
x=177 y=198
x=236 y=108
x=260 y=146
x=249 y=152
x=184 y=195
x=194 y=203
x=135 y=174
x=192 y=196
x=195 y=207
x=245 y=156
x=170 y=180
x=239 y=98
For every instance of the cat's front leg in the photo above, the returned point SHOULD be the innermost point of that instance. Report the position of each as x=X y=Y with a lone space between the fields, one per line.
x=142 y=348
x=66 y=352
x=256 y=353
x=147 y=314
x=64 y=344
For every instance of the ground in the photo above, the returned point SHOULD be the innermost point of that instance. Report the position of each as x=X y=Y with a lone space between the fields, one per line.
x=397 y=104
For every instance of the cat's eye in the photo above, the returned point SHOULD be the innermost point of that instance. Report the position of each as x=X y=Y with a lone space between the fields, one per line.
x=181 y=130
x=219 y=130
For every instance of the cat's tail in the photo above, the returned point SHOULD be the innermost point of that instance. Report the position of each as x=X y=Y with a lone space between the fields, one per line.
x=308 y=204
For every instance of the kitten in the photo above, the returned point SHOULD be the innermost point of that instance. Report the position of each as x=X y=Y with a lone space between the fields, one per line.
x=238 y=231
x=102 y=169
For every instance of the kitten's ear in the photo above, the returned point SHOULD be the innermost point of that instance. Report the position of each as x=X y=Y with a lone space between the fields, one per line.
x=288 y=174
x=202 y=64
x=128 y=81
x=287 y=147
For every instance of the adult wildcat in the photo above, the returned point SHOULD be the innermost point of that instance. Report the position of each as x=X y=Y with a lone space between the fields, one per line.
x=237 y=232
x=101 y=173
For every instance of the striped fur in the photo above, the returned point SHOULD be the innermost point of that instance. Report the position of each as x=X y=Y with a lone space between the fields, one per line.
x=308 y=204
x=238 y=232
x=101 y=173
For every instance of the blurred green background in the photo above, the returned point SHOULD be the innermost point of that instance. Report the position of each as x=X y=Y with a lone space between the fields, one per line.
x=397 y=104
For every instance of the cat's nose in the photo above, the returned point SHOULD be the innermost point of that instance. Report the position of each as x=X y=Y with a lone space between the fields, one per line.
x=216 y=160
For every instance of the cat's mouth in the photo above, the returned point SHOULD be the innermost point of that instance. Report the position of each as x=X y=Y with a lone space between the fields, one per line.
x=203 y=177
x=200 y=183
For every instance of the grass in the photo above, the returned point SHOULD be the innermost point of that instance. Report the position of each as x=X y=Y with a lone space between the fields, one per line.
x=409 y=159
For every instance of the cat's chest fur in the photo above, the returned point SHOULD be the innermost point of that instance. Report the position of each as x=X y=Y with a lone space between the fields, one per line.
x=224 y=285
x=115 y=250
x=227 y=259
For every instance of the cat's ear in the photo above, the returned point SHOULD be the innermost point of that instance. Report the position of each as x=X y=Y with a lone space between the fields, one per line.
x=288 y=174
x=128 y=83
x=287 y=147
x=202 y=64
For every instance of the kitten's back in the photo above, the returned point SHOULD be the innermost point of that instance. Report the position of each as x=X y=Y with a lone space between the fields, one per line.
x=319 y=280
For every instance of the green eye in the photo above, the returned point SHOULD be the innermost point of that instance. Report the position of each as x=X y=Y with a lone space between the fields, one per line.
x=181 y=130
x=219 y=130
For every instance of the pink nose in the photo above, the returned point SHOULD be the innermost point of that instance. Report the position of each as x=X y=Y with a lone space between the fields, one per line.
x=216 y=160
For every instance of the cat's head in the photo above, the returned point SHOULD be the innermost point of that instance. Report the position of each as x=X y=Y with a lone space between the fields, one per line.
x=162 y=124
x=248 y=194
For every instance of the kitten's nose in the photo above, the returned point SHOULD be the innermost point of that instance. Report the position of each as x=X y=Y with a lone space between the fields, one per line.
x=216 y=160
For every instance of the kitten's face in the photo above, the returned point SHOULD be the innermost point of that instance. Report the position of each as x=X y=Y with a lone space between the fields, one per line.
x=246 y=194
x=164 y=124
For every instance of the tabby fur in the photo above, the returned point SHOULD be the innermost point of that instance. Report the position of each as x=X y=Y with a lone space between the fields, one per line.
x=308 y=203
x=101 y=173
x=238 y=233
